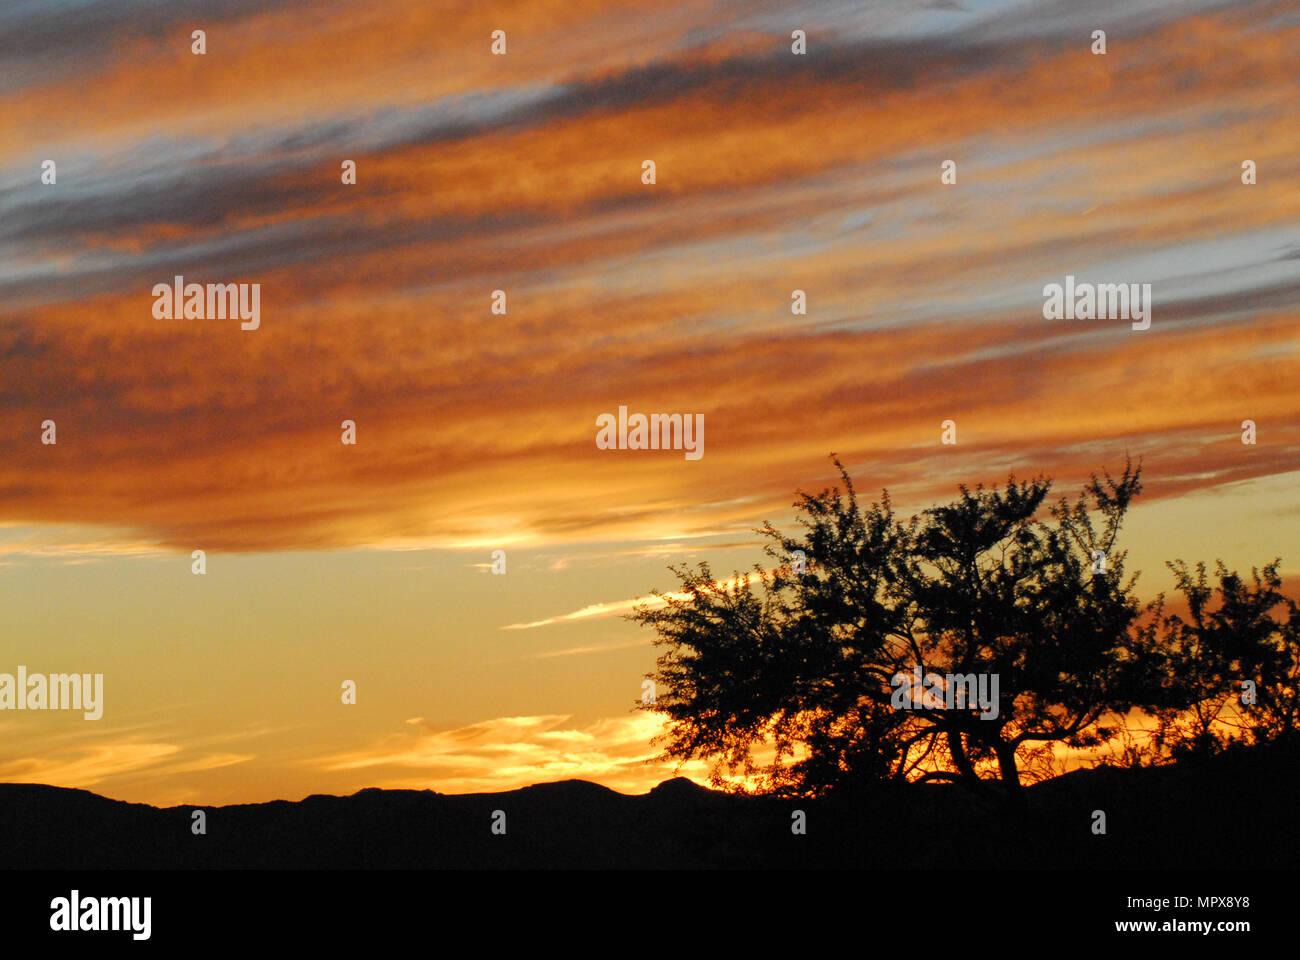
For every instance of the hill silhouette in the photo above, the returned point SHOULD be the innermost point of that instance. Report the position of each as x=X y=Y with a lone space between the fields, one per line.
x=1231 y=811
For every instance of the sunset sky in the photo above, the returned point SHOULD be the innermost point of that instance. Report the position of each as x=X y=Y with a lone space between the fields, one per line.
x=475 y=431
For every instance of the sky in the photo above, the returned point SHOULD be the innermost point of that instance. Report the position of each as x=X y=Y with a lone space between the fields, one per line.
x=523 y=172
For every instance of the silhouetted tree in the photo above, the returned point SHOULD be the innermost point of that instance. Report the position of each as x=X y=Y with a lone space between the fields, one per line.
x=1233 y=635
x=806 y=657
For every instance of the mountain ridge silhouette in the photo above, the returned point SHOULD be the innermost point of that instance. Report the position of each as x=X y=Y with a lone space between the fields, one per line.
x=1232 y=811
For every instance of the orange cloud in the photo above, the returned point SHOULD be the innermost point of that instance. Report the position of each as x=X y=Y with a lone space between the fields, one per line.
x=477 y=428
x=510 y=752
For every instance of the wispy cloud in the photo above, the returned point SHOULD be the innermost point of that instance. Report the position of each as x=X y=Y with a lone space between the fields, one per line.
x=591 y=648
x=773 y=176
x=620 y=607
x=510 y=752
x=86 y=765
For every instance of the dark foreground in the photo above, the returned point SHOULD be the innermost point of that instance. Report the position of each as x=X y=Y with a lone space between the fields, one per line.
x=1235 y=812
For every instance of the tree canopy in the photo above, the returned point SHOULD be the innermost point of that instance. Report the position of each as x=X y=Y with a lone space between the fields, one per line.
x=961 y=644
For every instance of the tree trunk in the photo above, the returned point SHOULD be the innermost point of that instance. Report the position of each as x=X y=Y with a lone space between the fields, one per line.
x=1017 y=802
x=958 y=750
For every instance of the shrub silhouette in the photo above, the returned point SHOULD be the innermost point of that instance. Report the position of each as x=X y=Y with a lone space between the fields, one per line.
x=1233 y=634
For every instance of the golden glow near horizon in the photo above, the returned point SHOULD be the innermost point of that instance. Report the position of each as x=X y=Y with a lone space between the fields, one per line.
x=476 y=430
